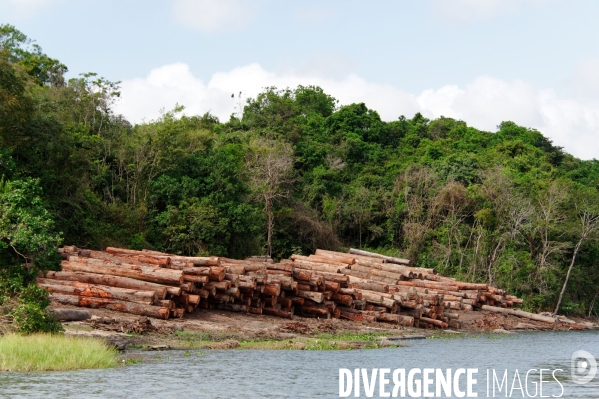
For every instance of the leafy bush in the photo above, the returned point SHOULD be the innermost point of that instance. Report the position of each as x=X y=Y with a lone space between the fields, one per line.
x=31 y=315
x=28 y=244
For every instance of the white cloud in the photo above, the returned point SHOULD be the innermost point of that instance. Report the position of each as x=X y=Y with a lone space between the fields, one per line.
x=24 y=9
x=214 y=15
x=586 y=78
x=462 y=11
x=487 y=101
x=484 y=103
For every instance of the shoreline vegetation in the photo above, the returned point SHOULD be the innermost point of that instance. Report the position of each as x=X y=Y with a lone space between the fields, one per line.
x=54 y=352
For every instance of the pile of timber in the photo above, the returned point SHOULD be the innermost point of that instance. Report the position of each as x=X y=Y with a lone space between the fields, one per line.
x=357 y=286
x=135 y=282
x=160 y=285
x=388 y=289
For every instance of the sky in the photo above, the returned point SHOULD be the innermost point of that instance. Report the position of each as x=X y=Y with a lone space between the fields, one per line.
x=534 y=62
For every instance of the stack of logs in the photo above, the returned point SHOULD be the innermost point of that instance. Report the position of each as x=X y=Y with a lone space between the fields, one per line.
x=393 y=291
x=357 y=286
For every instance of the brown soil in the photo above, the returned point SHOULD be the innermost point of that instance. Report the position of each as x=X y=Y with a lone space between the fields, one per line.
x=221 y=326
x=224 y=329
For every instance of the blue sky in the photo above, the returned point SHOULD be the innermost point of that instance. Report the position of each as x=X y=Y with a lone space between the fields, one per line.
x=535 y=62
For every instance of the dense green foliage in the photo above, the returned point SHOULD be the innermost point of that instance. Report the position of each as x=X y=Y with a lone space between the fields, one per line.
x=294 y=172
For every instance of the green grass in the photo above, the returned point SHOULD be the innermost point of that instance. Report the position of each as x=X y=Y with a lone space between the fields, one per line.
x=43 y=352
x=321 y=342
x=351 y=336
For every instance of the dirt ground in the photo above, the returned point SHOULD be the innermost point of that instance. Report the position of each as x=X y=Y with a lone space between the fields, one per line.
x=220 y=329
x=219 y=326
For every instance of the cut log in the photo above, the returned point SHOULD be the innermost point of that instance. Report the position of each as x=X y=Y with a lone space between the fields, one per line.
x=278 y=313
x=314 y=296
x=195 y=279
x=70 y=314
x=113 y=281
x=387 y=267
x=112 y=304
x=302 y=275
x=346 y=300
x=199 y=261
x=438 y=323
x=323 y=267
x=336 y=256
x=219 y=285
x=390 y=259
x=370 y=286
x=328 y=261
x=367 y=276
x=163 y=261
x=148 y=274
x=280 y=267
x=98 y=291
x=322 y=312
x=381 y=273
x=273 y=289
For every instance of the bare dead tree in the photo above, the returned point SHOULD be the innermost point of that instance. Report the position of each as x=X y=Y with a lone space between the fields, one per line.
x=548 y=215
x=270 y=164
x=418 y=186
x=452 y=208
x=589 y=225
x=511 y=211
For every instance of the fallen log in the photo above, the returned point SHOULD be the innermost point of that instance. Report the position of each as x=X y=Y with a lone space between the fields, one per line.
x=520 y=313
x=70 y=314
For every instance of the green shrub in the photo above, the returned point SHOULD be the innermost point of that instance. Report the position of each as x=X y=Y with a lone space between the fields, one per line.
x=31 y=315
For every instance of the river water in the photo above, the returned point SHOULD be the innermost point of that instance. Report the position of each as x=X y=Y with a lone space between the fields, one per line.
x=311 y=374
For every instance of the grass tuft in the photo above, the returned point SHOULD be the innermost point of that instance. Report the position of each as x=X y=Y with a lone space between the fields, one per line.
x=45 y=352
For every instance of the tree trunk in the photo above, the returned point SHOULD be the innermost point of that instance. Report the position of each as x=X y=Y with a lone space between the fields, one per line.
x=561 y=294
x=519 y=313
x=271 y=225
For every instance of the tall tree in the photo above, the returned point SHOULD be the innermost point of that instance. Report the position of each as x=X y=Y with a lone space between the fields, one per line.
x=270 y=165
x=588 y=217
